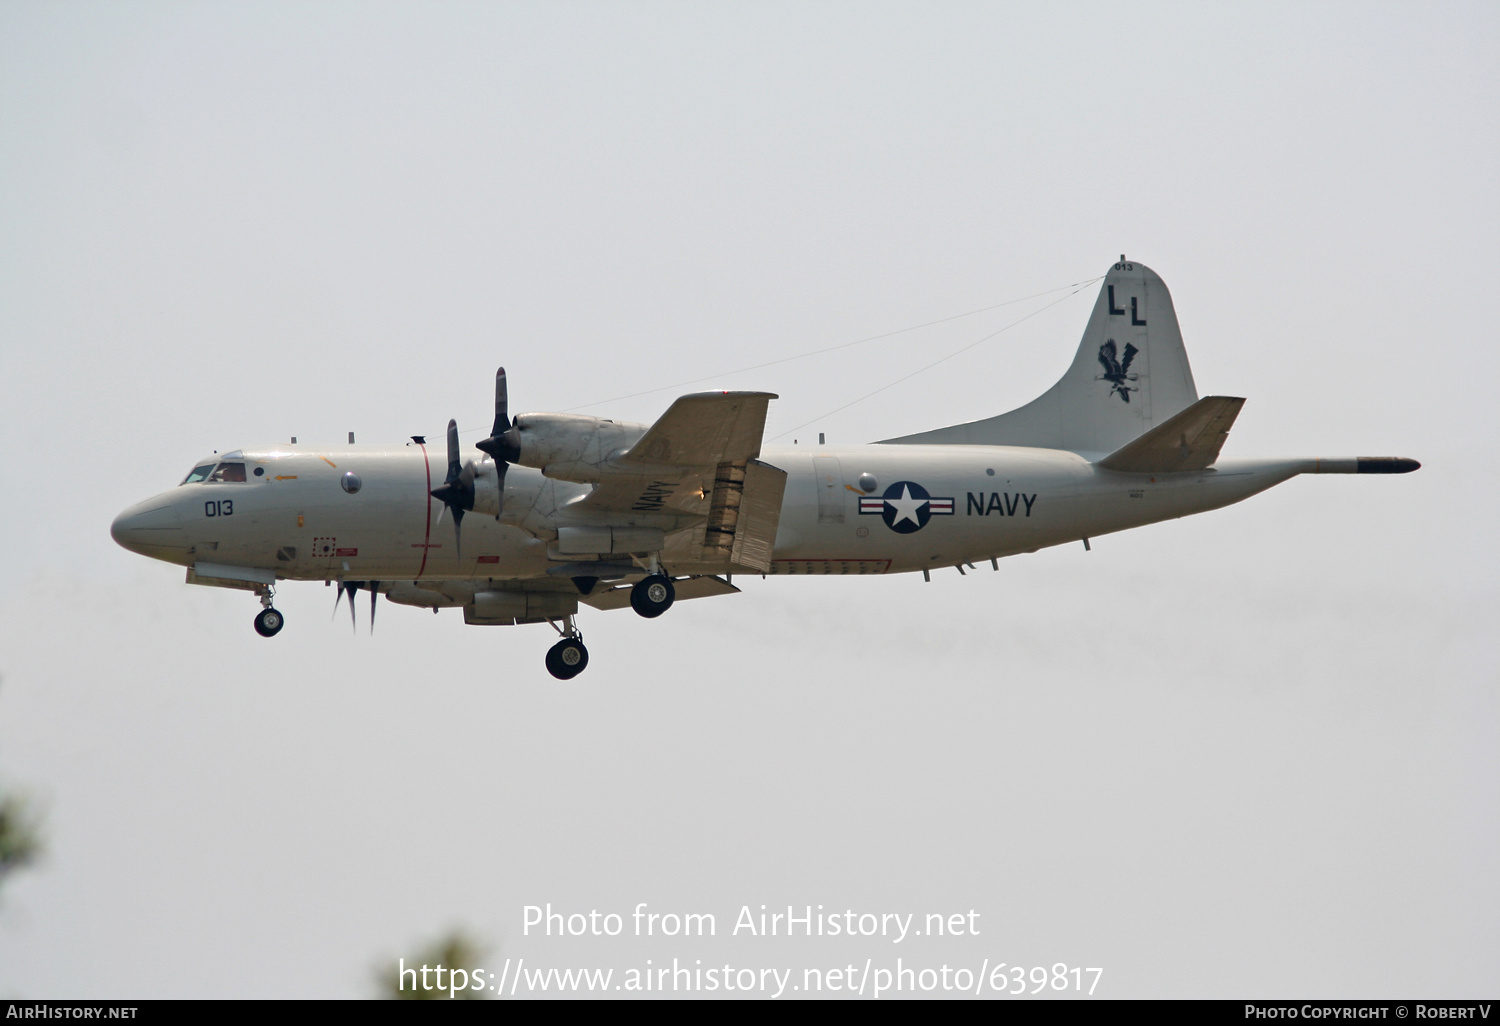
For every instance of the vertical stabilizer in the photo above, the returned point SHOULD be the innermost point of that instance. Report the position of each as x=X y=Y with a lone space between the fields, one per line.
x=1130 y=374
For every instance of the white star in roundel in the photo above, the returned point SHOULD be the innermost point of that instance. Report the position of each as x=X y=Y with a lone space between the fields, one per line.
x=906 y=507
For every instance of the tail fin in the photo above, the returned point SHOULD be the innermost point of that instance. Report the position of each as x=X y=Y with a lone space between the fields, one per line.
x=1130 y=374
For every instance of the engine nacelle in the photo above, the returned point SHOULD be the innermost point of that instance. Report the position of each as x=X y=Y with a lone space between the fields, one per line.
x=408 y=593
x=605 y=541
x=505 y=607
x=488 y=488
x=570 y=447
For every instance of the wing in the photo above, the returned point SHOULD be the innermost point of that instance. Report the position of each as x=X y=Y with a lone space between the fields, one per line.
x=704 y=429
x=695 y=475
x=618 y=597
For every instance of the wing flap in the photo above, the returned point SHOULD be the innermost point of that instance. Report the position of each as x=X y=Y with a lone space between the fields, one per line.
x=759 y=516
x=1191 y=440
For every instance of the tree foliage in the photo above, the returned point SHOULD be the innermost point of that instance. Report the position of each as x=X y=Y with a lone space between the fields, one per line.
x=456 y=950
x=19 y=842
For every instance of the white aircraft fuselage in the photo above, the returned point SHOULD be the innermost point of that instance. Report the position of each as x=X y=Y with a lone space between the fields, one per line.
x=994 y=501
x=553 y=509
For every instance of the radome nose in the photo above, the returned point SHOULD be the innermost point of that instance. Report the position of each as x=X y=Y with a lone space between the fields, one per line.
x=149 y=528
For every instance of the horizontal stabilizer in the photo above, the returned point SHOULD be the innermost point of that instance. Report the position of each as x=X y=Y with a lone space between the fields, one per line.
x=1191 y=440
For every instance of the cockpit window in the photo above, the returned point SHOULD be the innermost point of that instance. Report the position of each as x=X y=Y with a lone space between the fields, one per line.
x=228 y=472
x=198 y=473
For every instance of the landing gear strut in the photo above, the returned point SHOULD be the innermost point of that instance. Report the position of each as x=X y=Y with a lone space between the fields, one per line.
x=268 y=621
x=567 y=658
x=653 y=596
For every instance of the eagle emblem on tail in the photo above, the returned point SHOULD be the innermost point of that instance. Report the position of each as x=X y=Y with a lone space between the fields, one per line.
x=1117 y=371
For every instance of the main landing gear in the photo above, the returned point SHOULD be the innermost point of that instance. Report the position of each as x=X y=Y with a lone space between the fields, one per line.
x=653 y=596
x=650 y=597
x=568 y=658
x=268 y=622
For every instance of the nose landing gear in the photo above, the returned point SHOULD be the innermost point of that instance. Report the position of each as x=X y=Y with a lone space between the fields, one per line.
x=268 y=621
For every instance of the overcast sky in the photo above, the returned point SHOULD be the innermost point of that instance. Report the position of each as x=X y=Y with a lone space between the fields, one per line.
x=1248 y=753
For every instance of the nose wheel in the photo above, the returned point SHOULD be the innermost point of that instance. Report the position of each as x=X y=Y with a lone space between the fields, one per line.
x=653 y=596
x=268 y=622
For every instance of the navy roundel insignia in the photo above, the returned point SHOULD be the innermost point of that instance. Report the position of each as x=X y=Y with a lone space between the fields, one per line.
x=905 y=507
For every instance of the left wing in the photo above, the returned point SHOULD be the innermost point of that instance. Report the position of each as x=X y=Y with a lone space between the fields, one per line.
x=618 y=597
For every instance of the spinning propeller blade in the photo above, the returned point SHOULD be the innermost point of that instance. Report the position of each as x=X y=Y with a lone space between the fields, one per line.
x=503 y=444
x=351 y=587
x=457 y=492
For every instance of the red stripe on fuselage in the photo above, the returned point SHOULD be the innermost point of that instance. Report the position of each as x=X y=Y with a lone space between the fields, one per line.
x=427 y=537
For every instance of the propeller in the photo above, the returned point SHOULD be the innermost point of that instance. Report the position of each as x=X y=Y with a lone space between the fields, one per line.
x=503 y=445
x=351 y=587
x=457 y=492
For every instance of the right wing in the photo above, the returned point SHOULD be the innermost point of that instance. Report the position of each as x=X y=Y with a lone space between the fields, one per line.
x=703 y=430
x=695 y=474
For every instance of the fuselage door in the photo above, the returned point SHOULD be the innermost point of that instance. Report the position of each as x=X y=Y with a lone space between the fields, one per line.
x=830 y=481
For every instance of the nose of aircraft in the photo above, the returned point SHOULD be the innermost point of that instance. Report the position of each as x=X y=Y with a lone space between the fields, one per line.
x=152 y=528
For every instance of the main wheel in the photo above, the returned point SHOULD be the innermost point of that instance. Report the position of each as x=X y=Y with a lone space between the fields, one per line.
x=653 y=596
x=267 y=622
x=567 y=658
